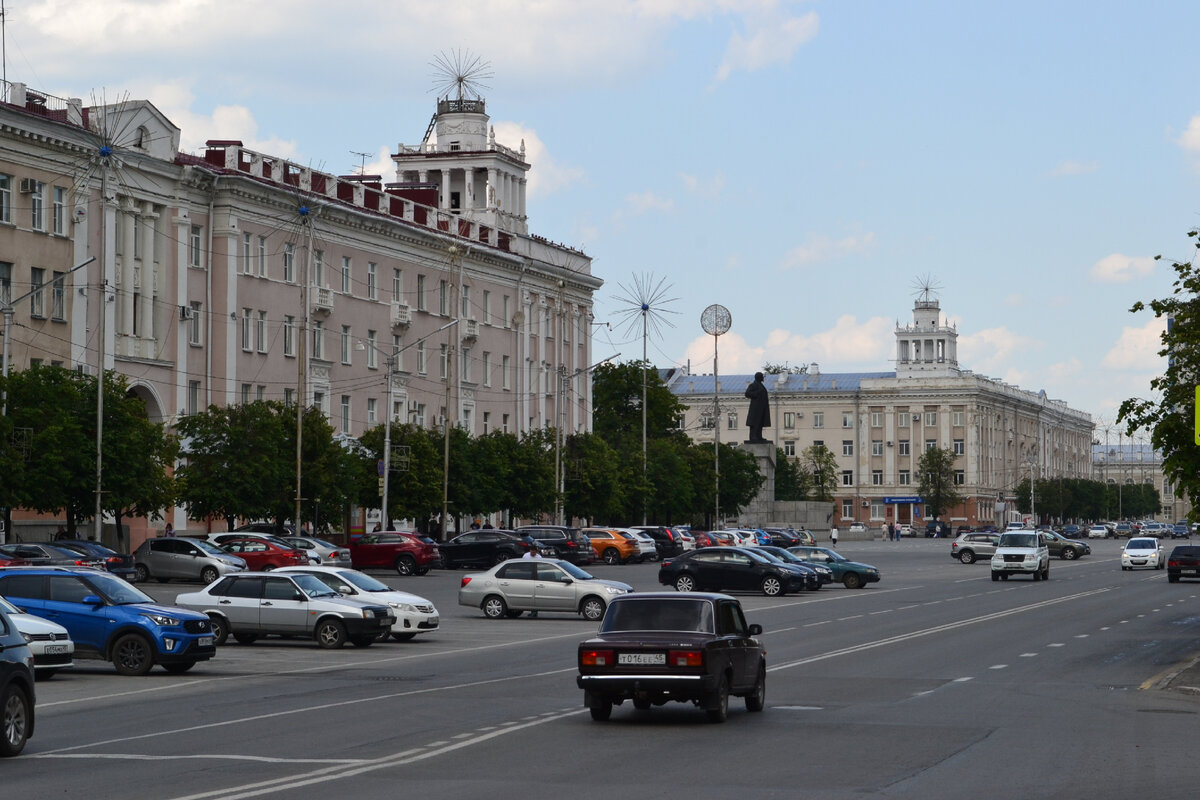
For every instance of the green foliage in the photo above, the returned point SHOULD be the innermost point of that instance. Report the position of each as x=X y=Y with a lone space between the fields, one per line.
x=936 y=487
x=791 y=482
x=593 y=485
x=820 y=466
x=1169 y=418
x=617 y=402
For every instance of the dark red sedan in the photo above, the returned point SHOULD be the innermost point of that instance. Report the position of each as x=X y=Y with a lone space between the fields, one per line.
x=262 y=555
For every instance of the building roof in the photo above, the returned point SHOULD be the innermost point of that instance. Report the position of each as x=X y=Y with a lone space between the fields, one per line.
x=681 y=383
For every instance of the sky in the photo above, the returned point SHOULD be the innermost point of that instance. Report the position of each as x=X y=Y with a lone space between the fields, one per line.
x=809 y=164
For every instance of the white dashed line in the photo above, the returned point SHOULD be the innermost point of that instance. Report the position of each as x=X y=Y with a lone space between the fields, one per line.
x=998 y=666
x=1028 y=655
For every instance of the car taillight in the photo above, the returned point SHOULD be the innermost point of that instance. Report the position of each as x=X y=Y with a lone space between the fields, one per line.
x=572 y=544
x=596 y=658
x=665 y=564
x=685 y=658
x=465 y=581
x=1172 y=562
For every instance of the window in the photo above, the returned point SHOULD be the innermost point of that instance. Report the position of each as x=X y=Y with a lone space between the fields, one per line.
x=420 y=293
x=5 y=198
x=397 y=285
x=847 y=419
x=195 y=330
x=930 y=444
x=319 y=402
x=245 y=393
x=247 y=253
x=847 y=447
x=289 y=396
x=789 y=447
x=347 y=344
x=902 y=419
x=318 y=340
x=246 y=330
x=487 y=307
x=58 y=296
x=707 y=422
x=59 y=212
x=504 y=423
x=904 y=447
x=37 y=301
x=877 y=447
x=194 y=246
x=818 y=443
x=289 y=263
x=289 y=336
x=877 y=477
x=318 y=269
x=372 y=280
x=37 y=206
x=876 y=419
x=421 y=369
x=193 y=397
x=959 y=447
x=931 y=418
x=418 y=415
x=847 y=477
x=347 y=285
x=372 y=351
x=443 y=299
x=443 y=365
x=505 y=379
x=346 y=413
x=956 y=418
x=372 y=412
x=464 y=367
x=818 y=419
x=960 y=477
x=487 y=422
x=731 y=420
x=260 y=331
x=5 y=282
x=465 y=302
x=504 y=308
x=847 y=509
x=905 y=478
x=789 y=420
x=487 y=370
x=262 y=256
x=398 y=349
x=878 y=510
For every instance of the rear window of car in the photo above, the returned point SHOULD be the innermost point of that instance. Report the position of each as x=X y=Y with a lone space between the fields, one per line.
x=1186 y=552
x=660 y=614
x=1019 y=540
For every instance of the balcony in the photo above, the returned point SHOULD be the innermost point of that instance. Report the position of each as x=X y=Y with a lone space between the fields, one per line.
x=401 y=315
x=470 y=329
x=322 y=300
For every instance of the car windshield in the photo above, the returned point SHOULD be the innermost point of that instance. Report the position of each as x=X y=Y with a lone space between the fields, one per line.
x=313 y=587
x=762 y=558
x=325 y=544
x=575 y=572
x=659 y=614
x=364 y=582
x=1142 y=544
x=8 y=608
x=833 y=555
x=208 y=547
x=1019 y=540
x=117 y=591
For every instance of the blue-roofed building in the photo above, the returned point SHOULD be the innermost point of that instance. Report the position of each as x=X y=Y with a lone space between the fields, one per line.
x=877 y=424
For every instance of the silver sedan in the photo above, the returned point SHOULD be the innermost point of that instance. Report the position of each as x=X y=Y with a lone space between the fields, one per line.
x=538 y=584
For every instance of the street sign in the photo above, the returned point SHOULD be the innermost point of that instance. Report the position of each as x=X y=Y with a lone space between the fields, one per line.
x=380 y=468
x=899 y=500
x=381 y=486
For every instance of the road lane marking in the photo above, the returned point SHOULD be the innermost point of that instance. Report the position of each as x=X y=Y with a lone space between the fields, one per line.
x=998 y=666
x=1056 y=644
x=1028 y=655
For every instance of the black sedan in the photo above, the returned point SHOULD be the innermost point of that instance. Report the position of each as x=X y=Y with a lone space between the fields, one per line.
x=40 y=554
x=119 y=564
x=655 y=648
x=731 y=568
x=481 y=549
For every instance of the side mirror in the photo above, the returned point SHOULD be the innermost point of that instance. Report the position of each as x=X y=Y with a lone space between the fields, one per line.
x=756 y=630
x=567 y=581
x=344 y=589
x=93 y=600
x=299 y=596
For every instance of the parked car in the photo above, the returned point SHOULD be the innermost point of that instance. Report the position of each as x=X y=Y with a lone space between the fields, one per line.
x=667 y=541
x=1098 y=532
x=7 y=560
x=111 y=619
x=538 y=584
x=1181 y=530
x=732 y=569
x=857 y=527
x=413 y=614
x=183 y=558
x=702 y=539
x=821 y=574
x=17 y=695
x=249 y=605
x=647 y=551
x=905 y=531
x=1021 y=552
x=1124 y=530
x=970 y=547
x=119 y=564
x=481 y=548
x=851 y=574
x=41 y=554
x=1143 y=551
x=398 y=550
x=784 y=537
x=1064 y=548
x=611 y=547
x=561 y=542
x=1072 y=532
x=262 y=555
x=50 y=642
x=322 y=551
x=1184 y=562
x=656 y=648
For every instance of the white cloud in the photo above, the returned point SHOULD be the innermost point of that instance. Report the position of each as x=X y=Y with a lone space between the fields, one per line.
x=993 y=350
x=818 y=248
x=1137 y=348
x=175 y=100
x=1014 y=300
x=1118 y=268
x=773 y=41
x=1190 y=139
x=546 y=175
x=643 y=202
x=849 y=343
x=709 y=188
x=1065 y=168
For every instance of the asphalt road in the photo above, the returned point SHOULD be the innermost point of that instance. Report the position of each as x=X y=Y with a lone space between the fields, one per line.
x=934 y=683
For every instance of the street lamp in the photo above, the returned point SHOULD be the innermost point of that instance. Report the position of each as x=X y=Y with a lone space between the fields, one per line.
x=391 y=361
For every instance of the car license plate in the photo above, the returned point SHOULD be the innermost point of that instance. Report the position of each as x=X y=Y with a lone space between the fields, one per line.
x=206 y=641
x=1188 y=571
x=55 y=649
x=433 y=620
x=641 y=658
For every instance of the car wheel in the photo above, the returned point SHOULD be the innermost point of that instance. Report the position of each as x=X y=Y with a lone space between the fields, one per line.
x=245 y=638
x=143 y=573
x=995 y=576
x=592 y=609
x=772 y=586
x=220 y=629
x=500 y=558
x=685 y=583
x=405 y=565
x=17 y=711
x=362 y=641
x=611 y=556
x=208 y=575
x=330 y=634
x=852 y=581
x=719 y=710
x=132 y=655
x=178 y=667
x=1069 y=554
x=602 y=710
x=494 y=606
x=966 y=557
x=422 y=570
x=1003 y=576
x=1037 y=574
x=403 y=637
x=756 y=700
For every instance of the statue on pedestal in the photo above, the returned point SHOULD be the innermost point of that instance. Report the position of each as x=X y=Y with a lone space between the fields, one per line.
x=759 y=415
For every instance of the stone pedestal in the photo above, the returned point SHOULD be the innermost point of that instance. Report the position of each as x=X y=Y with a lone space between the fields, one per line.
x=761 y=508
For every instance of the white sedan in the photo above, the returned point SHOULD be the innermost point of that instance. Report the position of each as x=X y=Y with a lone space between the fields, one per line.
x=1098 y=532
x=49 y=642
x=1143 y=551
x=413 y=614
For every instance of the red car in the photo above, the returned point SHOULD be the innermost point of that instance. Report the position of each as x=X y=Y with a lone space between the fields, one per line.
x=401 y=551
x=262 y=555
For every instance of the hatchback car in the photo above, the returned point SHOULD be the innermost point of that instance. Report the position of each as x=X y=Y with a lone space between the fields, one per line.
x=16 y=688
x=320 y=551
x=183 y=558
x=50 y=642
x=1065 y=548
x=482 y=548
x=538 y=584
x=41 y=554
x=119 y=564
x=611 y=547
x=413 y=614
x=1143 y=551
x=264 y=555
x=647 y=551
x=1184 y=562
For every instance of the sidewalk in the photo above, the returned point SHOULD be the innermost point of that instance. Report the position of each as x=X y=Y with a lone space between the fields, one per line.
x=1183 y=678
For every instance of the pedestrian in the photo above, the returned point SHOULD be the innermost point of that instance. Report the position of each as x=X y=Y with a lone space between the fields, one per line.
x=833 y=535
x=169 y=531
x=61 y=534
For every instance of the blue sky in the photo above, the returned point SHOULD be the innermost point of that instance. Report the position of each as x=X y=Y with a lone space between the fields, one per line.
x=805 y=164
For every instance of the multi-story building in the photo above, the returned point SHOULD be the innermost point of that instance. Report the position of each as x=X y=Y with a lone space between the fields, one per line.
x=1129 y=464
x=877 y=424
x=235 y=275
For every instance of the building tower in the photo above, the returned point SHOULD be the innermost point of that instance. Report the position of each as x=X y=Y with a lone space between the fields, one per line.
x=926 y=348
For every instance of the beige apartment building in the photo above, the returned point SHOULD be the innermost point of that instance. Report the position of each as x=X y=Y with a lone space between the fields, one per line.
x=877 y=424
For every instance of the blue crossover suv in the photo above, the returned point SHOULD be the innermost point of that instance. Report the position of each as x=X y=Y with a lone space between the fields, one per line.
x=110 y=619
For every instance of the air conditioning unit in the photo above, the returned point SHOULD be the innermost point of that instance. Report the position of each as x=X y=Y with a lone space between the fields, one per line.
x=28 y=186
x=186 y=313
x=916 y=417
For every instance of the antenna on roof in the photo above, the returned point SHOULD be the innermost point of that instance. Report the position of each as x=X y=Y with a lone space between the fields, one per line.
x=362 y=157
x=460 y=73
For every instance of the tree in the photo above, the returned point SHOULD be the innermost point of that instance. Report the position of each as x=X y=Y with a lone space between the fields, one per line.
x=936 y=487
x=791 y=482
x=617 y=403
x=594 y=488
x=820 y=465
x=1169 y=418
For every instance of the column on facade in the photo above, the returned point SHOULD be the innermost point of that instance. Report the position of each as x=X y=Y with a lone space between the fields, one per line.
x=468 y=188
x=521 y=198
x=146 y=305
x=443 y=188
x=128 y=237
x=491 y=193
x=527 y=379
